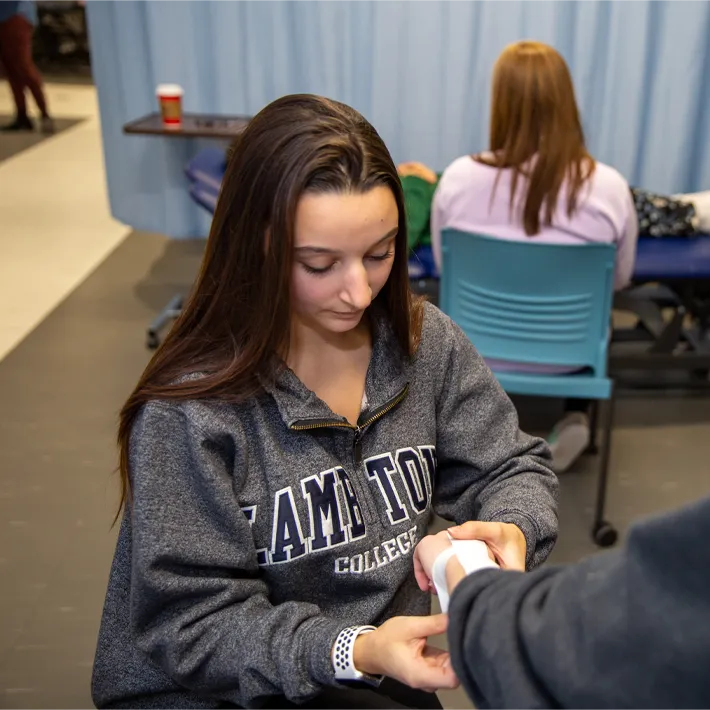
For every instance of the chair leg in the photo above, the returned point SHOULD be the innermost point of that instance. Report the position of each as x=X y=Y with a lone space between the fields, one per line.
x=593 y=427
x=168 y=314
x=603 y=533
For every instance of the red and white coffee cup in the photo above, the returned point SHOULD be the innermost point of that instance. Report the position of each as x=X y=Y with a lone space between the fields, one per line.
x=170 y=98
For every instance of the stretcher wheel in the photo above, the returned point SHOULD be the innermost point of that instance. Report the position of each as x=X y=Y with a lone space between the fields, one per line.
x=152 y=340
x=604 y=534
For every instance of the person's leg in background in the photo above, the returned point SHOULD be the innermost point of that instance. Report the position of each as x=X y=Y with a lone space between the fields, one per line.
x=571 y=436
x=8 y=56
x=16 y=54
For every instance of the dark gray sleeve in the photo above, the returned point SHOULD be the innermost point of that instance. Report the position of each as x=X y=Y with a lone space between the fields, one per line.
x=487 y=469
x=626 y=628
x=200 y=608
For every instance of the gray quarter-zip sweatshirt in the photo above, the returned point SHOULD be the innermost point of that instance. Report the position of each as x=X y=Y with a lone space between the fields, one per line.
x=258 y=531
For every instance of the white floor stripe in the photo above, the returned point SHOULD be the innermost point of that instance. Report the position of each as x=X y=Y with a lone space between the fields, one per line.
x=55 y=224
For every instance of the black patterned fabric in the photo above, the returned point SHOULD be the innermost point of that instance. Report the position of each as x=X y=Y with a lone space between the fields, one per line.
x=661 y=216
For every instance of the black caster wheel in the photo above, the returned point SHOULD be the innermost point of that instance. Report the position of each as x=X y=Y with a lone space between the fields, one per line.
x=604 y=535
x=152 y=341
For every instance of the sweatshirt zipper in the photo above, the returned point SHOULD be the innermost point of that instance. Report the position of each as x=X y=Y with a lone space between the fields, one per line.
x=378 y=414
x=367 y=505
x=311 y=424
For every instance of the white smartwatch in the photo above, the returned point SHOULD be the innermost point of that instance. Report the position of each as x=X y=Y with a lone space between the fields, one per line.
x=342 y=656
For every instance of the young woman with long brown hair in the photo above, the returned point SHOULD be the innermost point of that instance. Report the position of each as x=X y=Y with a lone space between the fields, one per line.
x=284 y=449
x=538 y=181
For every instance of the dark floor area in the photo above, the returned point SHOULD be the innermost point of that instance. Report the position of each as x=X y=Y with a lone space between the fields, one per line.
x=62 y=388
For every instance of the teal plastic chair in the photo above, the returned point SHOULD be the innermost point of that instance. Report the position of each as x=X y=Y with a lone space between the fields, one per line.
x=540 y=304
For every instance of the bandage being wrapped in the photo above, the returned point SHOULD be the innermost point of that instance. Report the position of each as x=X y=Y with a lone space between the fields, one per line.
x=471 y=554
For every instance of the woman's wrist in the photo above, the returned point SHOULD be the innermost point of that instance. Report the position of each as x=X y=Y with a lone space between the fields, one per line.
x=363 y=654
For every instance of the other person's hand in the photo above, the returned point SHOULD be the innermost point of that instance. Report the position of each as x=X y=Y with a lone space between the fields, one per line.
x=505 y=540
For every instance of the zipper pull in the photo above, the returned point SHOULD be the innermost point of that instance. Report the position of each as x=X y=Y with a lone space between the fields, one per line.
x=357 y=446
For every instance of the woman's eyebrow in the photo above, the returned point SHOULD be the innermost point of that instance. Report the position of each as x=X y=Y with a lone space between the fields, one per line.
x=325 y=250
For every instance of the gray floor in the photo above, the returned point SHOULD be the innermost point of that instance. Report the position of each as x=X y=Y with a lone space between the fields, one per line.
x=61 y=391
x=12 y=143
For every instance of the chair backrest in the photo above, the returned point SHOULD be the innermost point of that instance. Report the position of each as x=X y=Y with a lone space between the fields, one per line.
x=529 y=302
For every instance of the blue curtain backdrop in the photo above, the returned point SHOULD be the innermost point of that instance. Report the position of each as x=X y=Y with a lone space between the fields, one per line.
x=419 y=71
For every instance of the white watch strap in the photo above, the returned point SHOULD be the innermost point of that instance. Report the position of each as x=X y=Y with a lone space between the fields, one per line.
x=342 y=655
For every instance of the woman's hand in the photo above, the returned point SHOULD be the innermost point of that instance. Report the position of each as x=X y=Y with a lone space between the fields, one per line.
x=398 y=649
x=425 y=554
x=505 y=540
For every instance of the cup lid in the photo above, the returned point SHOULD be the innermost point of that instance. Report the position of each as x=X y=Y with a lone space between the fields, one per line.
x=169 y=90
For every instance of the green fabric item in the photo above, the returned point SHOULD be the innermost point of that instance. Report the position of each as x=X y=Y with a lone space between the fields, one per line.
x=418 y=196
